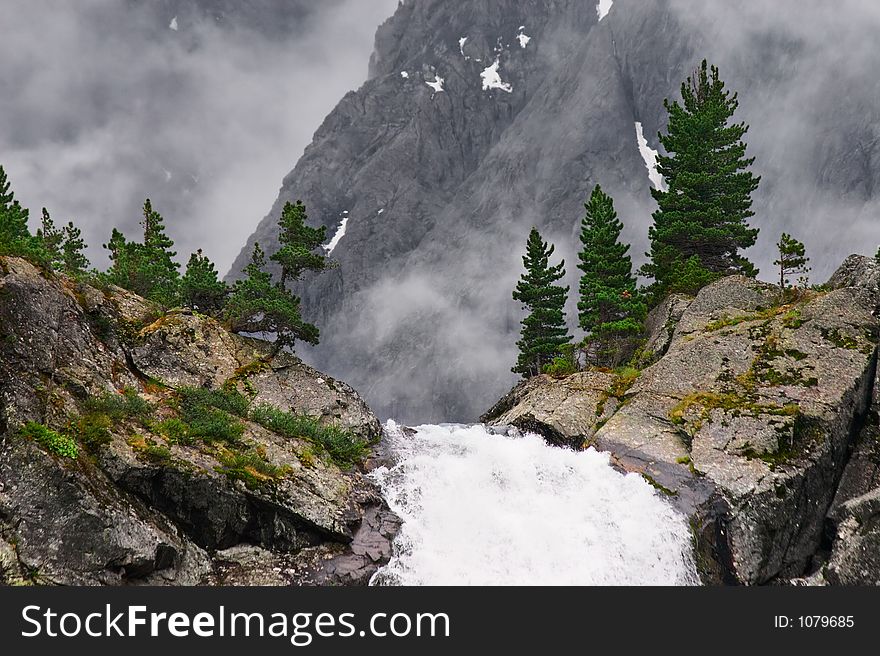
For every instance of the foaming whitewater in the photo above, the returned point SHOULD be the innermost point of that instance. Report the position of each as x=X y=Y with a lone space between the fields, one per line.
x=484 y=509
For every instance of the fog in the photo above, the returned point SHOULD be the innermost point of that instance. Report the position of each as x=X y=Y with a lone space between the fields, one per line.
x=104 y=105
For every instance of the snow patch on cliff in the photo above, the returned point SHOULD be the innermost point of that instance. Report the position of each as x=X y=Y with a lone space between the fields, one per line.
x=340 y=233
x=437 y=84
x=650 y=157
x=173 y=24
x=492 y=78
x=523 y=38
x=603 y=8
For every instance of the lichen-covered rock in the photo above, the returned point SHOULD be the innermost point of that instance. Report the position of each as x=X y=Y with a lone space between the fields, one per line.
x=565 y=411
x=746 y=421
x=134 y=505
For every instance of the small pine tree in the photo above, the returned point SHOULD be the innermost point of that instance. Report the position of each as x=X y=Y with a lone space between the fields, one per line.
x=258 y=304
x=702 y=218
x=65 y=248
x=298 y=243
x=201 y=288
x=544 y=333
x=610 y=308
x=73 y=259
x=792 y=261
x=51 y=239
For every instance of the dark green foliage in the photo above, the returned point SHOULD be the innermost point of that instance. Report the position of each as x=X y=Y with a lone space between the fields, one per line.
x=102 y=413
x=148 y=268
x=344 y=448
x=53 y=442
x=701 y=225
x=792 y=260
x=201 y=288
x=208 y=414
x=51 y=239
x=73 y=259
x=611 y=311
x=298 y=243
x=64 y=248
x=544 y=332
x=258 y=304
x=119 y=407
x=564 y=364
x=15 y=238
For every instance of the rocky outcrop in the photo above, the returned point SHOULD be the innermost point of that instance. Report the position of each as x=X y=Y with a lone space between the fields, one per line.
x=749 y=423
x=564 y=410
x=137 y=495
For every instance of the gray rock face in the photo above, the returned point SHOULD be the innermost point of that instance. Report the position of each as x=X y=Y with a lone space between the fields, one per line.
x=139 y=507
x=748 y=422
x=440 y=188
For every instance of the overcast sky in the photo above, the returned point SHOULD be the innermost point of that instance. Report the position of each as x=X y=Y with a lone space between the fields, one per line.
x=104 y=104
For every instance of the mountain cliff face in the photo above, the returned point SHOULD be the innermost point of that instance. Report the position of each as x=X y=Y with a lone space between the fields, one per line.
x=98 y=486
x=758 y=419
x=482 y=118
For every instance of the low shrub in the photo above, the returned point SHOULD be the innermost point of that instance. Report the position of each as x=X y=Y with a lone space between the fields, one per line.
x=53 y=442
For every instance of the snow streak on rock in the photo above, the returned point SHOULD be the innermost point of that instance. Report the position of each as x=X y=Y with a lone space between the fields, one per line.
x=650 y=157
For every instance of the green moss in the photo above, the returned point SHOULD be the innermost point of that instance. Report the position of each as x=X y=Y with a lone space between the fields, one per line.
x=242 y=376
x=733 y=403
x=63 y=446
x=625 y=378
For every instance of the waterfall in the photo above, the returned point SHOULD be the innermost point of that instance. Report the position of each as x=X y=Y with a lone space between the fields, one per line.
x=484 y=509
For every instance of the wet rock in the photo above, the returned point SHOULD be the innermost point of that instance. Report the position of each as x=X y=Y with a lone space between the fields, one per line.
x=564 y=411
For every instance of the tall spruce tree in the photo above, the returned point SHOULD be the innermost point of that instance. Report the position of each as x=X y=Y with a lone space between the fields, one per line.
x=158 y=258
x=201 y=288
x=51 y=239
x=544 y=333
x=610 y=307
x=701 y=223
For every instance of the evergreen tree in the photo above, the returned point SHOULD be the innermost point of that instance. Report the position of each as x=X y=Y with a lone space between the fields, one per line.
x=610 y=308
x=64 y=248
x=157 y=259
x=201 y=288
x=258 y=304
x=51 y=239
x=15 y=238
x=701 y=223
x=73 y=259
x=792 y=260
x=544 y=333
x=298 y=243
x=146 y=268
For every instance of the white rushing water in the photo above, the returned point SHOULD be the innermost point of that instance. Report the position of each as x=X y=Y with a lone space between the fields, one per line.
x=483 y=509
